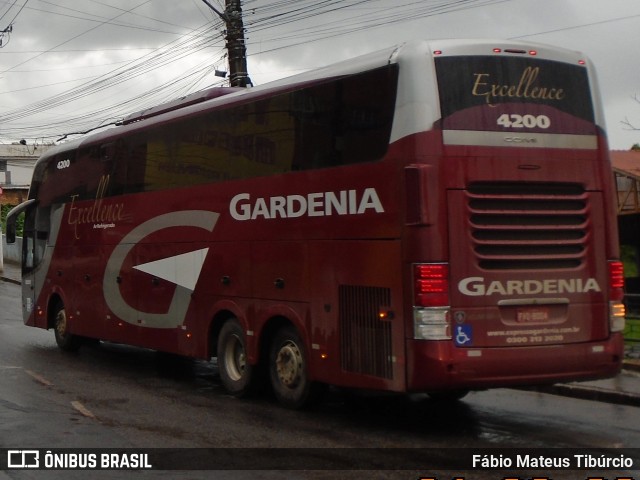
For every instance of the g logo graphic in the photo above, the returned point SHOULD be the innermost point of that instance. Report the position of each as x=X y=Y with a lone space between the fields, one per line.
x=185 y=283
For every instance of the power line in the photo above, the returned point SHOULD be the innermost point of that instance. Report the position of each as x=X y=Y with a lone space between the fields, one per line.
x=272 y=15
x=575 y=27
x=379 y=17
x=19 y=11
x=162 y=56
x=72 y=38
x=283 y=24
x=9 y=28
x=90 y=17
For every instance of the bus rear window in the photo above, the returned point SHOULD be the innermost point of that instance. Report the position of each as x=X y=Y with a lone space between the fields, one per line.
x=497 y=93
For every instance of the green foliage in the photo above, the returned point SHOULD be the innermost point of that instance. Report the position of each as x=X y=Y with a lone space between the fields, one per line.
x=19 y=223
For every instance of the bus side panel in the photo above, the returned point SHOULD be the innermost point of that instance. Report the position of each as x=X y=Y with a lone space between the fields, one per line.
x=227 y=271
x=356 y=313
x=83 y=285
x=224 y=287
x=280 y=271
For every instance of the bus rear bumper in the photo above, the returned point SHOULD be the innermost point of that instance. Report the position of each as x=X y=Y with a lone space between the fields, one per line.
x=433 y=366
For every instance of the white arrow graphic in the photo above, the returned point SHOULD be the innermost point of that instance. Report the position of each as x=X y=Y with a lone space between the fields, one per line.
x=183 y=270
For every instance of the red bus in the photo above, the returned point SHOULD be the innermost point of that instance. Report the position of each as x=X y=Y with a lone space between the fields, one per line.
x=437 y=217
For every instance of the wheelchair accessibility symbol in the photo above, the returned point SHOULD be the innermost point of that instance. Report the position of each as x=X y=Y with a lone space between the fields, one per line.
x=464 y=335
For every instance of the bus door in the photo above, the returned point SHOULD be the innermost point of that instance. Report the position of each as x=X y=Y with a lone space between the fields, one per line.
x=35 y=261
x=28 y=261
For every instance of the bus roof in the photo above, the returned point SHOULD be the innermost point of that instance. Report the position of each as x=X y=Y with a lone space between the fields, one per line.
x=203 y=100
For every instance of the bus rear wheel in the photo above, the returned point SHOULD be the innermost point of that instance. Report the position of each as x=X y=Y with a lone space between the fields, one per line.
x=236 y=373
x=65 y=340
x=288 y=370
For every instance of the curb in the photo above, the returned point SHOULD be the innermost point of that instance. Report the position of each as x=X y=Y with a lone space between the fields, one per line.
x=591 y=393
x=11 y=280
x=633 y=365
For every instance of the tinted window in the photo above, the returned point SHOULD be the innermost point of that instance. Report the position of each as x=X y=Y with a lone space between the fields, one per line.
x=339 y=122
x=473 y=89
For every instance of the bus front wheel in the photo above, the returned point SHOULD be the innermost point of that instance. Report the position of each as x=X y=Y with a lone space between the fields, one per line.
x=65 y=340
x=236 y=373
x=288 y=369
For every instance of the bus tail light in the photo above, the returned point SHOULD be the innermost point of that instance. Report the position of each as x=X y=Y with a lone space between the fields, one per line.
x=431 y=301
x=431 y=284
x=616 y=295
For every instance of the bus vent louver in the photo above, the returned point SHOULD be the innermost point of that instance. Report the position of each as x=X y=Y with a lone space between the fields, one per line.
x=365 y=339
x=528 y=225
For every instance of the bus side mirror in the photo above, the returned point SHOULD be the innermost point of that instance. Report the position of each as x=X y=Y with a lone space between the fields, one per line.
x=12 y=218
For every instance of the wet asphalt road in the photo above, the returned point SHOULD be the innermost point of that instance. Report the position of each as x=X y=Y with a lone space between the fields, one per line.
x=113 y=396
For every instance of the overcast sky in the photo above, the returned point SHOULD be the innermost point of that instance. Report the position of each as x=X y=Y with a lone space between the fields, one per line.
x=70 y=65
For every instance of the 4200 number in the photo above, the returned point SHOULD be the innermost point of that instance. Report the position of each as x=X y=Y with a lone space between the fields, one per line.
x=524 y=121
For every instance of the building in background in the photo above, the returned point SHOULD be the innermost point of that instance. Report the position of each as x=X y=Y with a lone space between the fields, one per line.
x=626 y=170
x=16 y=167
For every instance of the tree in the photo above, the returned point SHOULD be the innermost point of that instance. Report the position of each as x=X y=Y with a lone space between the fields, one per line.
x=20 y=221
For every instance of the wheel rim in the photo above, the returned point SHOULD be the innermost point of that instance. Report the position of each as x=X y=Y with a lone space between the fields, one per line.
x=61 y=323
x=289 y=365
x=235 y=358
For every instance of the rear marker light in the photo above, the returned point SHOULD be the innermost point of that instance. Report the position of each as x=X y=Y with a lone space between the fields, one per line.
x=616 y=274
x=616 y=294
x=617 y=321
x=431 y=301
x=431 y=284
x=617 y=310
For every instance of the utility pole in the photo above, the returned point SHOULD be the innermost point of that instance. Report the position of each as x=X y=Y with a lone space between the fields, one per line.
x=236 y=48
x=7 y=30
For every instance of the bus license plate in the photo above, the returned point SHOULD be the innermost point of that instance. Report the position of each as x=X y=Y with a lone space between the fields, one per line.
x=525 y=315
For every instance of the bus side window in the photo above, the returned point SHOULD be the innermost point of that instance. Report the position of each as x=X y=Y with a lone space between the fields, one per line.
x=41 y=234
x=114 y=156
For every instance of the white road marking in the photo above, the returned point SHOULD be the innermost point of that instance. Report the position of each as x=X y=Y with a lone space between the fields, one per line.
x=82 y=409
x=38 y=378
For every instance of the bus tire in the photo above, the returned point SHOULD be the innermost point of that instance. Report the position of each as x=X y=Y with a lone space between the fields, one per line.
x=236 y=373
x=288 y=370
x=66 y=341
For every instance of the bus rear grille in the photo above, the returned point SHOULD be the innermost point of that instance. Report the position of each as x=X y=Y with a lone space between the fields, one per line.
x=365 y=339
x=528 y=225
